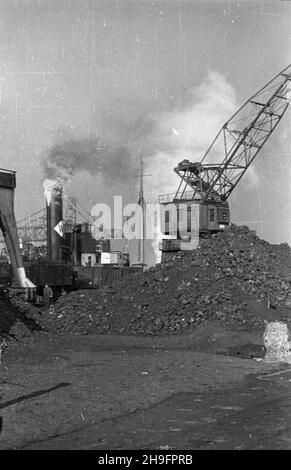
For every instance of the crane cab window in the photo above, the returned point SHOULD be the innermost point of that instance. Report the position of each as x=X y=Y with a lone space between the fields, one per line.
x=222 y=215
x=211 y=215
x=167 y=220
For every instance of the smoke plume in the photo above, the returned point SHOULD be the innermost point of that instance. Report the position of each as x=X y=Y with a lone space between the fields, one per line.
x=187 y=133
x=164 y=139
x=71 y=156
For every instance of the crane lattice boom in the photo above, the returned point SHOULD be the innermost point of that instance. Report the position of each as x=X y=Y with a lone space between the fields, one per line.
x=237 y=143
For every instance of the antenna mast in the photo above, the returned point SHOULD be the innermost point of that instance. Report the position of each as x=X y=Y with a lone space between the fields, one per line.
x=142 y=204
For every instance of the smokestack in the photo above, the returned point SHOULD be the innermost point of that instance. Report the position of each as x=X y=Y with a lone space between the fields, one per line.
x=54 y=215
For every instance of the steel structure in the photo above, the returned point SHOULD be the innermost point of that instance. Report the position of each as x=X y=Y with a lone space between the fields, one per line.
x=236 y=145
x=33 y=228
x=71 y=213
x=9 y=228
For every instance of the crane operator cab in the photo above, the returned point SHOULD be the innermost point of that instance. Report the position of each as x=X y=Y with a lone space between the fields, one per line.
x=185 y=217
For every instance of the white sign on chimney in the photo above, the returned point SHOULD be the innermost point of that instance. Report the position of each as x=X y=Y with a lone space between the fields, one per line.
x=59 y=228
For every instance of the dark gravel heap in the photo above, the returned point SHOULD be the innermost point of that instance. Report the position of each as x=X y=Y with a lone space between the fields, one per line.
x=18 y=320
x=234 y=277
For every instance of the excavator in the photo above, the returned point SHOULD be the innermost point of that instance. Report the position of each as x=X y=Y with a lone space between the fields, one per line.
x=9 y=229
x=209 y=183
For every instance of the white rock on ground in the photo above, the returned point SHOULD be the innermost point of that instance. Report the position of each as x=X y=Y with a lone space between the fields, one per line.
x=277 y=342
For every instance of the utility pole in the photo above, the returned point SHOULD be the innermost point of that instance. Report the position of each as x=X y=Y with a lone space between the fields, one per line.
x=142 y=204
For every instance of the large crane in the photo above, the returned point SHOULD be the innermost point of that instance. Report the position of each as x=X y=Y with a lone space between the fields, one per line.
x=210 y=182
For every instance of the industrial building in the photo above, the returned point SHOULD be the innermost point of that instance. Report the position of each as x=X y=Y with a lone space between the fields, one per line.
x=54 y=249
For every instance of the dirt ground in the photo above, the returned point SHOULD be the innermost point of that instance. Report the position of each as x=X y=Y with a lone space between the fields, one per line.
x=118 y=392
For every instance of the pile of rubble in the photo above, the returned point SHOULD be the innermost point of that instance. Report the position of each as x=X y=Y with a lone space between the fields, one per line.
x=234 y=277
x=18 y=320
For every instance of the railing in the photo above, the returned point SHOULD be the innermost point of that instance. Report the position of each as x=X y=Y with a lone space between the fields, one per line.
x=186 y=195
x=166 y=198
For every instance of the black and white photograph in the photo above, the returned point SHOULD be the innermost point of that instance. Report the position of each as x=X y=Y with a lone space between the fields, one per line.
x=145 y=216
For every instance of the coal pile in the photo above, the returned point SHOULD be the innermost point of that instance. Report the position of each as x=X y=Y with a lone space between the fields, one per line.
x=234 y=278
x=7 y=317
x=18 y=320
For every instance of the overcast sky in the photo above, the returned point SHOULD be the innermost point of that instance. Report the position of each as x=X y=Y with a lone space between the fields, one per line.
x=98 y=67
